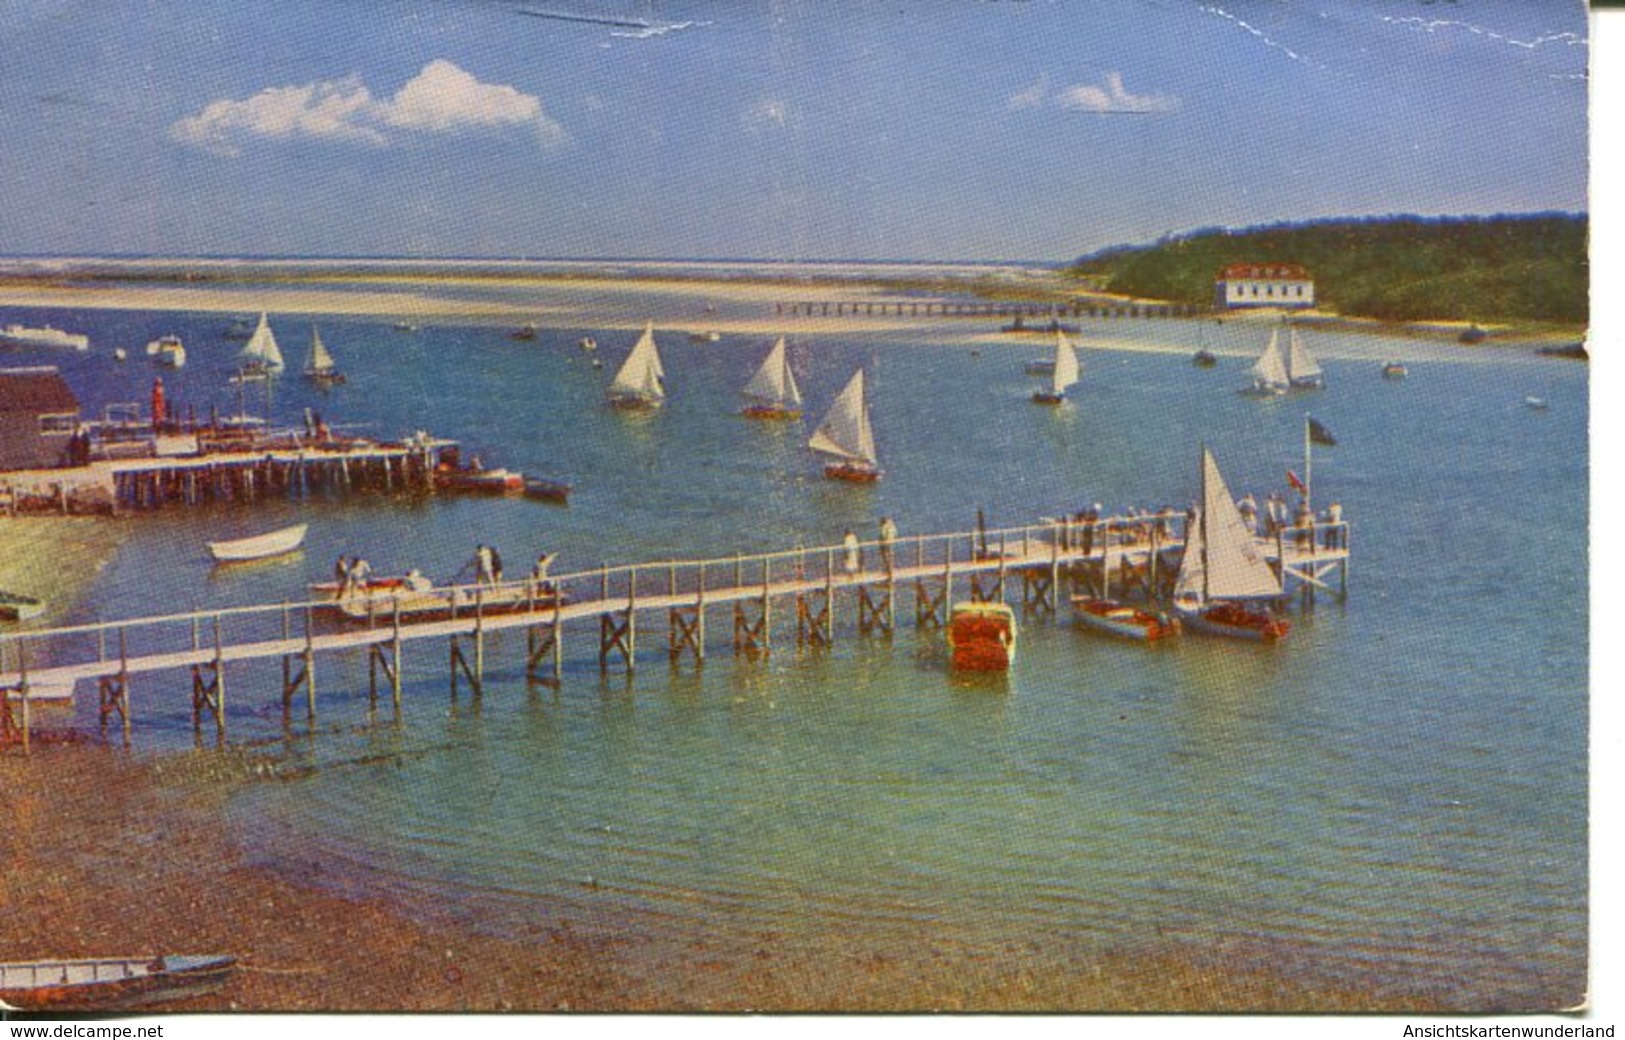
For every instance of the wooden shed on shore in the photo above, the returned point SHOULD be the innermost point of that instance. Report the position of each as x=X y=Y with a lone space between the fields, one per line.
x=39 y=415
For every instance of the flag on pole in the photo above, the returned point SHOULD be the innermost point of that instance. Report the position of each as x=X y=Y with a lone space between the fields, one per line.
x=1292 y=478
x=1320 y=434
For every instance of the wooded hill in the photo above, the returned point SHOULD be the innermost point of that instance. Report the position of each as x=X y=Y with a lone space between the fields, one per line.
x=1403 y=268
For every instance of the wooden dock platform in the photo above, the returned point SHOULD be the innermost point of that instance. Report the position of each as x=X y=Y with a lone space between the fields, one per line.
x=828 y=590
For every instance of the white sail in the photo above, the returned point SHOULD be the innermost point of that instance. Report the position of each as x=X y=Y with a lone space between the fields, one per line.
x=320 y=362
x=641 y=375
x=1301 y=366
x=1270 y=368
x=1222 y=560
x=845 y=431
x=1066 y=365
x=774 y=381
x=262 y=349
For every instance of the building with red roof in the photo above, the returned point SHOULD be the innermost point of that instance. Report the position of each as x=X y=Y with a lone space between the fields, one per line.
x=1264 y=285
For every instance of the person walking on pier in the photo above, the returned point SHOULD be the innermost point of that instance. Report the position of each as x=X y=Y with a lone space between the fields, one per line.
x=538 y=573
x=888 y=536
x=854 y=554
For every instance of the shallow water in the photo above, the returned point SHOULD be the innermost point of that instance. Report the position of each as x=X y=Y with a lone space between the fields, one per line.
x=1396 y=794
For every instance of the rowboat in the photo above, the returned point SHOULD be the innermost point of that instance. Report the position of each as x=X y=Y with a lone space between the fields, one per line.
x=111 y=983
x=430 y=604
x=480 y=481
x=14 y=606
x=261 y=546
x=982 y=636
x=1120 y=619
x=547 y=490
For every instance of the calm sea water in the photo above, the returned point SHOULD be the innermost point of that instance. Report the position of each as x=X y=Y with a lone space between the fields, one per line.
x=1394 y=798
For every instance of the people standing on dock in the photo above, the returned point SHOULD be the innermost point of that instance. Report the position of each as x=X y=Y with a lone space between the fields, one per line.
x=341 y=575
x=484 y=571
x=360 y=572
x=416 y=582
x=1091 y=519
x=1334 y=528
x=496 y=566
x=1248 y=508
x=888 y=536
x=854 y=554
x=1275 y=513
x=1304 y=525
x=538 y=574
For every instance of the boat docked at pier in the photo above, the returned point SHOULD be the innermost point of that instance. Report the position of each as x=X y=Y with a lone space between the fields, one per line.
x=1118 y=618
x=1223 y=577
x=640 y=383
x=44 y=336
x=433 y=603
x=1063 y=373
x=113 y=982
x=847 y=435
x=772 y=390
x=982 y=637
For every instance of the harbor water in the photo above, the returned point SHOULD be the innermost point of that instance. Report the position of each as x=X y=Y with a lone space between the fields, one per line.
x=1391 y=800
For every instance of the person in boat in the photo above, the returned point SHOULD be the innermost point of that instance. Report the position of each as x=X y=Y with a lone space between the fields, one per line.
x=341 y=575
x=476 y=464
x=416 y=582
x=538 y=573
x=360 y=571
x=888 y=535
x=854 y=554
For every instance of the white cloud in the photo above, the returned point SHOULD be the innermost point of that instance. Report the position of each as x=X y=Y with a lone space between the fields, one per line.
x=767 y=114
x=440 y=99
x=1112 y=98
x=1031 y=97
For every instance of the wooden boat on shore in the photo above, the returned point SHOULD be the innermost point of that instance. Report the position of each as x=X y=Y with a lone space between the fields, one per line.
x=1117 y=618
x=85 y=985
x=847 y=435
x=547 y=490
x=14 y=606
x=260 y=546
x=1223 y=574
x=982 y=637
x=772 y=390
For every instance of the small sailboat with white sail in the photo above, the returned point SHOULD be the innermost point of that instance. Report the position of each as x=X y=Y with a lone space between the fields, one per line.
x=1223 y=575
x=640 y=383
x=320 y=368
x=260 y=358
x=1269 y=372
x=846 y=434
x=772 y=390
x=1063 y=375
x=1303 y=372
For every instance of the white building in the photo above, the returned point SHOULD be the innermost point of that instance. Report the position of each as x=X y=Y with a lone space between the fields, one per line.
x=1264 y=285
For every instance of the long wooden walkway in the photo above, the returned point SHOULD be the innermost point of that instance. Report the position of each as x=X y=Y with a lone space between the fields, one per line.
x=1131 y=555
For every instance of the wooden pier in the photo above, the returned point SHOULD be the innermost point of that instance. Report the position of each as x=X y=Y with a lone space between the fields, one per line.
x=829 y=592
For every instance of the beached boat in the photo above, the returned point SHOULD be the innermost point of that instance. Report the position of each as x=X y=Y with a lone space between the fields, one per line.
x=320 y=368
x=772 y=390
x=526 y=331
x=982 y=637
x=639 y=385
x=14 y=606
x=261 y=546
x=1062 y=376
x=547 y=490
x=1269 y=372
x=45 y=336
x=167 y=350
x=480 y=481
x=1394 y=370
x=1223 y=574
x=120 y=982
x=1121 y=619
x=260 y=358
x=847 y=435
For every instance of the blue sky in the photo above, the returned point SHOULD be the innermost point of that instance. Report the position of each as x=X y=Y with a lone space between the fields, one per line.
x=794 y=129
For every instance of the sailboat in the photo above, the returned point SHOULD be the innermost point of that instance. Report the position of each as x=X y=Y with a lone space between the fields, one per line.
x=845 y=434
x=1064 y=375
x=1222 y=569
x=1270 y=378
x=319 y=367
x=772 y=390
x=260 y=357
x=639 y=385
x=1302 y=371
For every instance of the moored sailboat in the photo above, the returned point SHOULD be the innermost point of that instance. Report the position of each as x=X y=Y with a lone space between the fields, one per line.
x=1062 y=376
x=320 y=367
x=1303 y=372
x=1270 y=378
x=846 y=434
x=1223 y=574
x=640 y=383
x=772 y=390
x=260 y=357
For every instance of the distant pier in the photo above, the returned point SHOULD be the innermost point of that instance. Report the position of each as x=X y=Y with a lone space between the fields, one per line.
x=952 y=309
x=824 y=591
